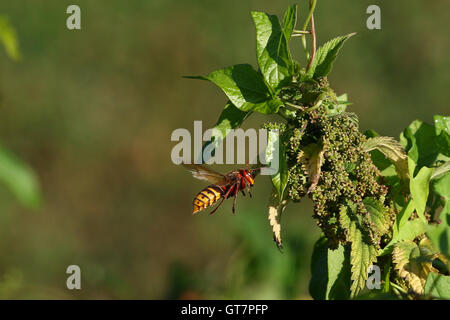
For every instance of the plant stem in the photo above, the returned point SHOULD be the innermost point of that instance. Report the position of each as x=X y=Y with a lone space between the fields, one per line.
x=314 y=39
x=398 y=288
x=304 y=46
x=285 y=113
x=292 y=105
x=312 y=6
x=317 y=104
x=300 y=32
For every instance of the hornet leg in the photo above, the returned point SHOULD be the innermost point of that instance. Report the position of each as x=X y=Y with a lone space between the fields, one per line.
x=220 y=203
x=248 y=188
x=225 y=196
x=235 y=197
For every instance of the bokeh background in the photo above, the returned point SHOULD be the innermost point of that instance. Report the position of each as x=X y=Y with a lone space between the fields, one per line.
x=92 y=111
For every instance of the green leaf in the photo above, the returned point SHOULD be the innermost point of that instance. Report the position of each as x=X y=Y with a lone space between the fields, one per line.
x=442 y=124
x=419 y=187
x=339 y=107
x=267 y=107
x=362 y=254
x=409 y=231
x=242 y=84
x=318 y=284
x=386 y=145
x=371 y=133
x=362 y=257
x=280 y=178
x=378 y=215
x=442 y=129
x=230 y=118
x=440 y=234
x=403 y=216
x=343 y=100
x=382 y=163
x=427 y=148
x=272 y=50
x=9 y=39
x=20 y=179
x=441 y=186
x=438 y=286
x=289 y=21
x=385 y=166
x=422 y=145
x=325 y=56
x=330 y=272
x=392 y=150
x=440 y=170
x=386 y=276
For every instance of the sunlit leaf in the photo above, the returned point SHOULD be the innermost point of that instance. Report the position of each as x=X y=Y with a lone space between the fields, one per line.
x=267 y=107
x=403 y=216
x=410 y=230
x=438 y=286
x=289 y=21
x=272 y=50
x=421 y=143
x=20 y=179
x=325 y=56
x=425 y=151
x=8 y=38
x=419 y=187
x=243 y=86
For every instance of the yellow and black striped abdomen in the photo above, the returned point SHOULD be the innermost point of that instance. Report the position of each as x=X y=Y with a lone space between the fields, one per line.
x=206 y=198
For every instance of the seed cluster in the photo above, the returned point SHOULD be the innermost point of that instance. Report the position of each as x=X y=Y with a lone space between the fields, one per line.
x=347 y=173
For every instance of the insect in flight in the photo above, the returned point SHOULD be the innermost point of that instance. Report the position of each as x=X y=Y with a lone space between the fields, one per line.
x=223 y=186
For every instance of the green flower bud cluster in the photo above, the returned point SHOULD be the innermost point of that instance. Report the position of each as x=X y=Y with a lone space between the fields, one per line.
x=347 y=173
x=281 y=127
x=293 y=94
x=323 y=82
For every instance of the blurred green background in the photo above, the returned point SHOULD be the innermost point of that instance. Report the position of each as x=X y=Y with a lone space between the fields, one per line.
x=92 y=112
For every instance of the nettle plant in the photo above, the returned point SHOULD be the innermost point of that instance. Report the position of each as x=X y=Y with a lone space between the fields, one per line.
x=381 y=204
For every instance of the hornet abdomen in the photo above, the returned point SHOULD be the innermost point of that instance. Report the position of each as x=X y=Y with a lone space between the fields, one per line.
x=206 y=198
